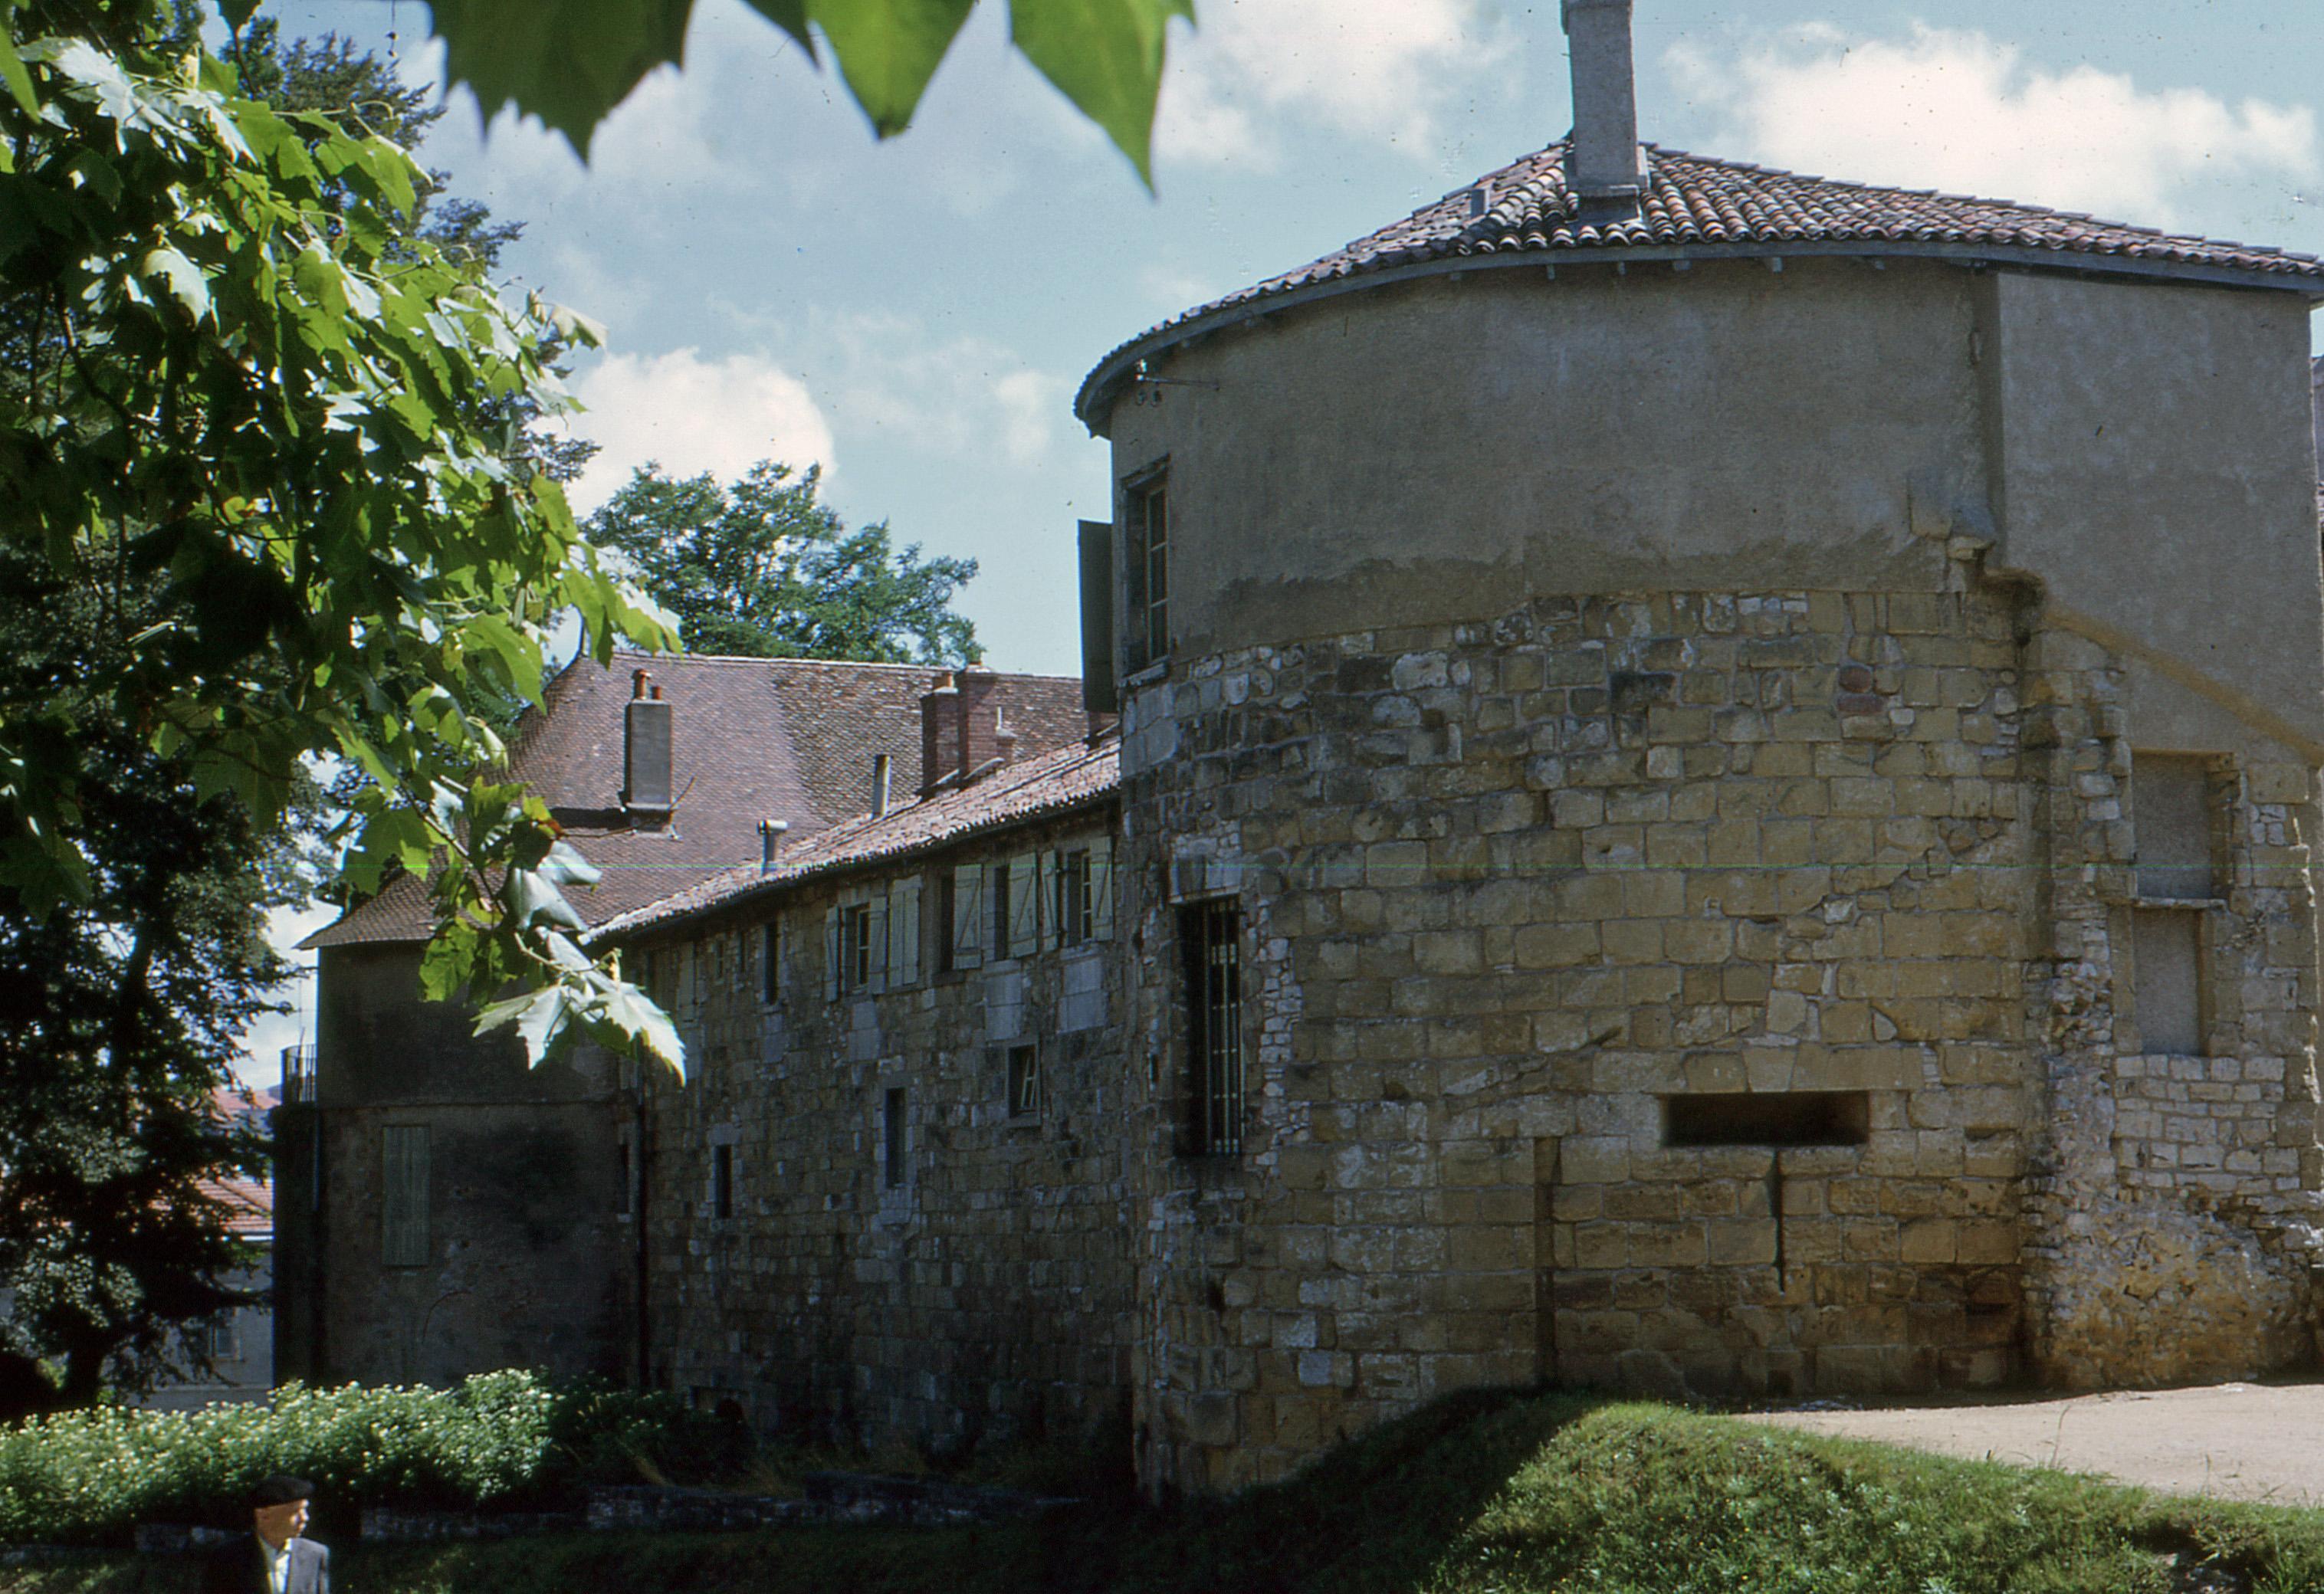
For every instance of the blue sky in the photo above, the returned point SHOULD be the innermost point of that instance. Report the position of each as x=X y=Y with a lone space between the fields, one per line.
x=915 y=314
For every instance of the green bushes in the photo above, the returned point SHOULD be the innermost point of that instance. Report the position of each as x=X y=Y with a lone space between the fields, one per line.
x=505 y=1439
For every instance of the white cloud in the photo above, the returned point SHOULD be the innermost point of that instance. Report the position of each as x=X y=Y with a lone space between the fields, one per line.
x=969 y=400
x=1954 y=109
x=1381 y=70
x=693 y=415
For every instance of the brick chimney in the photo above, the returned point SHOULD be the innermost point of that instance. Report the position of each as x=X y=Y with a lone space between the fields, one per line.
x=648 y=753
x=1603 y=162
x=960 y=725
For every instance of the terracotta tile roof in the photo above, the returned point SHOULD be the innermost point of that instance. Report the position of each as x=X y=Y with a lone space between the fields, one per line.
x=1695 y=206
x=756 y=739
x=1080 y=775
x=250 y=1206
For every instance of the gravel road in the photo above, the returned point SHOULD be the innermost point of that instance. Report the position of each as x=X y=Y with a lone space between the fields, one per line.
x=2242 y=1442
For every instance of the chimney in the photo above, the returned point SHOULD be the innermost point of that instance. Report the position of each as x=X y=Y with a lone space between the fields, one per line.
x=1602 y=160
x=881 y=767
x=960 y=725
x=646 y=753
x=770 y=840
x=939 y=733
x=1004 y=740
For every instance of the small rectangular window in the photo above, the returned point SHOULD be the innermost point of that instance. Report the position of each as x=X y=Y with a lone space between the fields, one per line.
x=1025 y=1093
x=403 y=1214
x=771 y=963
x=1145 y=507
x=1071 y=908
x=855 y=947
x=997 y=892
x=2167 y=990
x=722 y=1180
x=891 y=1138
x=947 y=922
x=1767 y=1117
x=1210 y=934
x=2171 y=815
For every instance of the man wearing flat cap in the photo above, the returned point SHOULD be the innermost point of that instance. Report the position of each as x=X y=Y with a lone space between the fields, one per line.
x=274 y=1560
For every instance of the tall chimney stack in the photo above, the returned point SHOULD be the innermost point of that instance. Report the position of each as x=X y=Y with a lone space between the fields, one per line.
x=647 y=753
x=1603 y=162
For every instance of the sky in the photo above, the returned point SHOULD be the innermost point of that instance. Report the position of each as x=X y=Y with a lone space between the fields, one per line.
x=914 y=314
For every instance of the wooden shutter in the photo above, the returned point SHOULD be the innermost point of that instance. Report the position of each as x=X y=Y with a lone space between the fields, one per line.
x=904 y=933
x=1024 y=907
x=833 y=952
x=1101 y=889
x=403 y=1214
x=967 y=927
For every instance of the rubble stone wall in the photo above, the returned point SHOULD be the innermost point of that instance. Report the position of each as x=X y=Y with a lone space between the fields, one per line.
x=983 y=1297
x=1508 y=888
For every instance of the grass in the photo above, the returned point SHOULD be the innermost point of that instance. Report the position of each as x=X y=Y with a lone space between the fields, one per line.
x=1477 y=1494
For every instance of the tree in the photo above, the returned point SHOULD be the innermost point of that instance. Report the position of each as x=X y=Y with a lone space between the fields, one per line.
x=760 y=568
x=570 y=64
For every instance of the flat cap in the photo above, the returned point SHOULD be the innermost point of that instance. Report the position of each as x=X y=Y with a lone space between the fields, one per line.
x=280 y=1490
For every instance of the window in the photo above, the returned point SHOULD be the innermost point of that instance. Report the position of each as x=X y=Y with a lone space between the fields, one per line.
x=1070 y=889
x=215 y=1339
x=1210 y=933
x=1025 y=1092
x=2170 y=811
x=998 y=895
x=947 y=922
x=403 y=1214
x=771 y=963
x=1146 y=510
x=855 y=947
x=891 y=1138
x=2167 y=992
x=722 y=1180
x=1767 y=1117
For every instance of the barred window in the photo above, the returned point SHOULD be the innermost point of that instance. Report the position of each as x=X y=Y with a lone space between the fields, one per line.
x=1210 y=933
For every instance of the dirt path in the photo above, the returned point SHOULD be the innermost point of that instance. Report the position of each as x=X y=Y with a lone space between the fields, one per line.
x=2243 y=1441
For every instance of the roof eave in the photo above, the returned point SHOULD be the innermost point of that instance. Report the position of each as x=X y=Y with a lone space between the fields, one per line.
x=1093 y=402
x=616 y=929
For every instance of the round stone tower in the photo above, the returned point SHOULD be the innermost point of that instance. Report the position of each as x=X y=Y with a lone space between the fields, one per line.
x=1718 y=770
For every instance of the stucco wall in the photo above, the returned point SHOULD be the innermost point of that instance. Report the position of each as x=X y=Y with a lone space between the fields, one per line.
x=521 y=1250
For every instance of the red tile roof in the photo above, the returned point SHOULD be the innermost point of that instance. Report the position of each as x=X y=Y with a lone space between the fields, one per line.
x=1695 y=207
x=756 y=739
x=1082 y=774
x=250 y=1206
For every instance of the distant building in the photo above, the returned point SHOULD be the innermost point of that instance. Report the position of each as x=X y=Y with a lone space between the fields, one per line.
x=230 y=1356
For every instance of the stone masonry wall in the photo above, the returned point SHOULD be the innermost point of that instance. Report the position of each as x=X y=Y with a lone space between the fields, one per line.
x=2173 y=1207
x=1508 y=886
x=983 y=1297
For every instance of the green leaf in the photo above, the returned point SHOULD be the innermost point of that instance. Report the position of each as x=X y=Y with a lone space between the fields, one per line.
x=236 y=12
x=536 y=1017
x=13 y=74
x=568 y=62
x=1106 y=57
x=184 y=278
x=888 y=50
x=790 y=16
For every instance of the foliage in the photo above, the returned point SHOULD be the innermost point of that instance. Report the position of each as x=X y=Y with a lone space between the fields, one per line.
x=246 y=382
x=571 y=63
x=760 y=568
x=1482 y=1493
x=508 y=1439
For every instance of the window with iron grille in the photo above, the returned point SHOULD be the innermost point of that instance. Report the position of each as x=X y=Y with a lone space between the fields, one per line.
x=1025 y=1092
x=1145 y=507
x=722 y=1181
x=1210 y=934
x=891 y=1138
